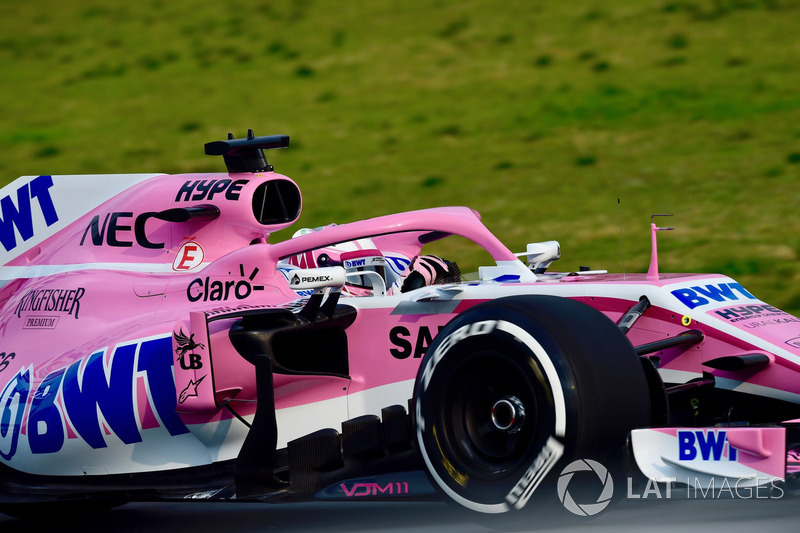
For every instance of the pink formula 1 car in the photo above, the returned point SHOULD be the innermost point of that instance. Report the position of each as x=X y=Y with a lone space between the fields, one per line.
x=155 y=346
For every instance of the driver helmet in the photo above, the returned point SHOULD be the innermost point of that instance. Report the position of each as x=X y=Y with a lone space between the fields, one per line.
x=357 y=285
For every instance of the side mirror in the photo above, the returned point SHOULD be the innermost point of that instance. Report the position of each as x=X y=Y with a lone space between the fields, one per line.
x=317 y=278
x=541 y=254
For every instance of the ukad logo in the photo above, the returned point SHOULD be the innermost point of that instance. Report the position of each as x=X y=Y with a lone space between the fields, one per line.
x=90 y=395
x=702 y=295
x=18 y=217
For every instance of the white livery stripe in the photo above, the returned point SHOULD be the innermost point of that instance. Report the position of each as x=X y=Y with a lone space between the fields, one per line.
x=8 y=273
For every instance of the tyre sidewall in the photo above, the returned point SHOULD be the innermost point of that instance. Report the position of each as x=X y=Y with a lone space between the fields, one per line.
x=471 y=344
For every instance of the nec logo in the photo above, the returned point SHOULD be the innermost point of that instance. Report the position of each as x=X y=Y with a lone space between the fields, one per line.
x=701 y=295
x=18 y=217
x=709 y=444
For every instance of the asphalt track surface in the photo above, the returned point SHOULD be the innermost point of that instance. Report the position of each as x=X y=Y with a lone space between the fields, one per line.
x=651 y=515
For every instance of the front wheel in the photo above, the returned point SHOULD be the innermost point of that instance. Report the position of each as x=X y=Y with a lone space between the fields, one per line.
x=514 y=389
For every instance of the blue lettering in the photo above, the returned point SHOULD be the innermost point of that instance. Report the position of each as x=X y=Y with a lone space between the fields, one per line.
x=40 y=189
x=689 y=298
x=718 y=293
x=19 y=217
x=155 y=360
x=84 y=396
x=686 y=450
x=45 y=428
x=96 y=396
x=16 y=217
x=741 y=290
x=697 y=296
x=711 y=443
x=12 y=408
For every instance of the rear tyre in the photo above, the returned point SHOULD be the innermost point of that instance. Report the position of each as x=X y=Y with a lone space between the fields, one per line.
x=514 y=389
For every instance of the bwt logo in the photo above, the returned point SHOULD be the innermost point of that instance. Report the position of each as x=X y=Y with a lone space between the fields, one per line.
x=18 y=217
x=102 y=394
x=353 y=263
x=711 y=446
x=701 y=295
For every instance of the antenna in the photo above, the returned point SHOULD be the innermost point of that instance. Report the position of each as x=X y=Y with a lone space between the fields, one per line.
x=621 y=239
x=652 y=272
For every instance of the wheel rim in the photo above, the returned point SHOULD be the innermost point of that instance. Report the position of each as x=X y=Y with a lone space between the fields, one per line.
x=493 y=424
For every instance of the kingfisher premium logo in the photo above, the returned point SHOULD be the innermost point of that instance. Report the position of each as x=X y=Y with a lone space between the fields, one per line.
x=64 y=301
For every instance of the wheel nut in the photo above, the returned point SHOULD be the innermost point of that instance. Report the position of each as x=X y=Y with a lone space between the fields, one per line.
x=508 y=414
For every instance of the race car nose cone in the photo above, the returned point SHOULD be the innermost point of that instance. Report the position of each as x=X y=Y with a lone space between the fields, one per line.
x=508 y=414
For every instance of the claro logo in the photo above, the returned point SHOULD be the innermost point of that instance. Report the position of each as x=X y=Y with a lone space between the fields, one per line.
x=208 y=289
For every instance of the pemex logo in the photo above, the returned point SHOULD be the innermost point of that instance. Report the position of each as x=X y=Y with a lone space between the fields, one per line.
x=585 y=509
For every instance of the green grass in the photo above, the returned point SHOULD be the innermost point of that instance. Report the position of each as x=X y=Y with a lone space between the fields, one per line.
x=540 y=115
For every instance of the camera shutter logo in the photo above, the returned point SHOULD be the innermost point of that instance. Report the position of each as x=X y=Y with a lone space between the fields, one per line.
x=585 y=509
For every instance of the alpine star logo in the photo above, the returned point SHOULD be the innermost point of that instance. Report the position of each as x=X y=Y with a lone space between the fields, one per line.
x=190 y=390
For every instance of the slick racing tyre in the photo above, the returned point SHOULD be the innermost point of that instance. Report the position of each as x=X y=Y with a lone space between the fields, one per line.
x=513 y=390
